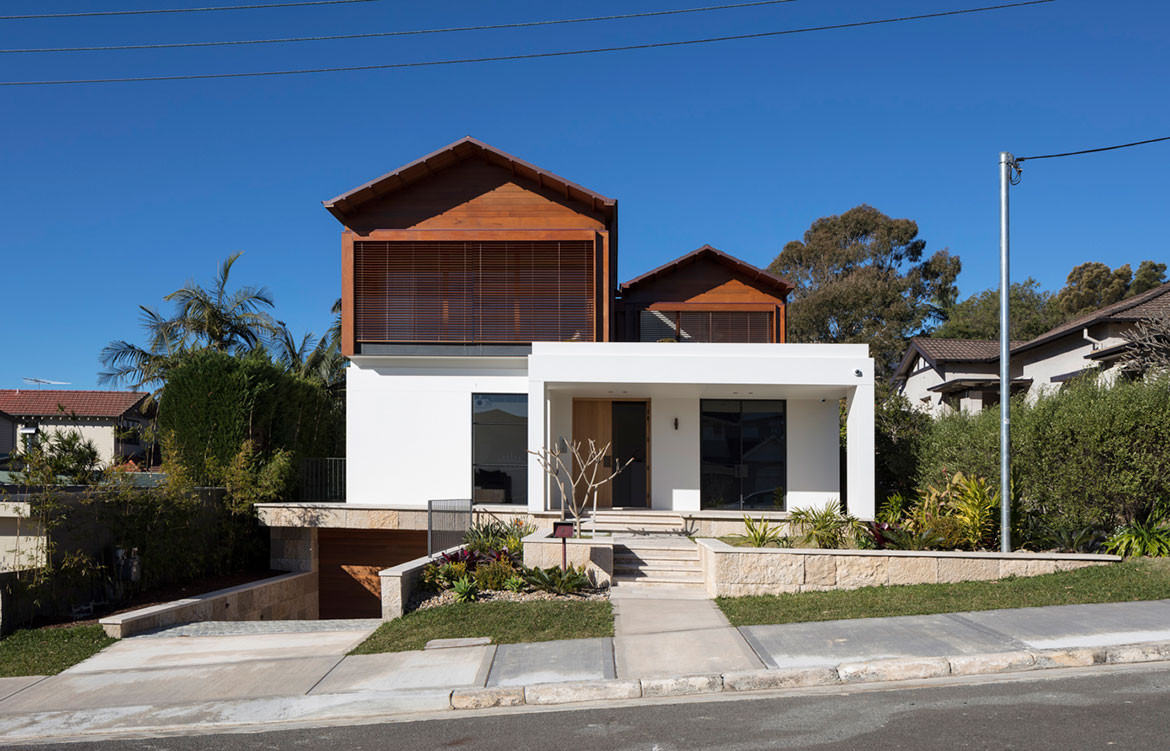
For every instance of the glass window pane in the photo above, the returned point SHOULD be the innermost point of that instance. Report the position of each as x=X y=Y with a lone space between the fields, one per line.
x=499 y=443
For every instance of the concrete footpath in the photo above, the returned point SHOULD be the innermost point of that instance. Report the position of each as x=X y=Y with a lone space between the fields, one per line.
x=222 y=675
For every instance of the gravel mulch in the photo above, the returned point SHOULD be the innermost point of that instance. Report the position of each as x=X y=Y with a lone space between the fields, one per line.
x=425 y=600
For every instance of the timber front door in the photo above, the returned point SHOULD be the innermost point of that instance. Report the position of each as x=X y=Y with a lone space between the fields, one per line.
x=623 y=425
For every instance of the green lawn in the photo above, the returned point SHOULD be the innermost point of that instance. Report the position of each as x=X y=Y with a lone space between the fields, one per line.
x=47 y=651
x=1141 y=579
x=504 y=622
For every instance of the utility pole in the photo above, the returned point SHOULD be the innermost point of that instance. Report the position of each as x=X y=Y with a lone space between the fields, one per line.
x=1006 y=164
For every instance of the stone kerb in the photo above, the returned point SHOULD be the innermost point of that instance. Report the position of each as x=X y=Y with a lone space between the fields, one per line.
x=730 y=571
x=595 y=554
x=399 y=582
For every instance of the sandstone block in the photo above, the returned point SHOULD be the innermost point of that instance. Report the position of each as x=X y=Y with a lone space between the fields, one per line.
x=567 y=693
x=1126 y=653
x=855 y=571
x=763 y=680
x=1068 y=658
x=683 y=686
x=967 y=569
x=482 y=698
x=996 y=662
x=913 y=570
x=897 y=669
x=820 y=570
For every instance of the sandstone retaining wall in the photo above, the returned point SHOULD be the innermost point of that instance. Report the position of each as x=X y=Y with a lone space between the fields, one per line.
x=595 y=554
x=730 y=571
x=285 y=597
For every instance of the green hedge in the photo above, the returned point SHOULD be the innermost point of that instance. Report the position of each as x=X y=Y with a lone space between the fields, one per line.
x=1088 y=454
x=214 y=402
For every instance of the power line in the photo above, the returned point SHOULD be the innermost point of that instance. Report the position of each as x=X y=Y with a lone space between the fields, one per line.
x=181 y=10
x=530 y=56
x=1093 y=151
x=401 y=33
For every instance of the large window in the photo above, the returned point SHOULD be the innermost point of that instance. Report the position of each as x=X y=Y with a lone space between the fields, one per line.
x=490 y=292
x=743 y=454
x=499 y=448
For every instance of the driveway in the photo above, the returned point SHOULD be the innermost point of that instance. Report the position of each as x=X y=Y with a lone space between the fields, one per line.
x=199 y=662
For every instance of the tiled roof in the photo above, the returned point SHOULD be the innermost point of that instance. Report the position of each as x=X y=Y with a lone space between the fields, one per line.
x=45 y=403
x=958 y=349
x=1149 y=303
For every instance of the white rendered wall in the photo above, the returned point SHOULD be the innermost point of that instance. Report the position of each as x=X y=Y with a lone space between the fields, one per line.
x=101 y=434
x=408 y=429
x=674 y=454
x=814 y=453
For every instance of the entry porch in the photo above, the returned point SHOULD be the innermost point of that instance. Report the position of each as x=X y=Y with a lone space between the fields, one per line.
x=708 y=427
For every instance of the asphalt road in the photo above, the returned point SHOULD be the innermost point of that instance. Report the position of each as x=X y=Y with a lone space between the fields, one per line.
x=1093 y=709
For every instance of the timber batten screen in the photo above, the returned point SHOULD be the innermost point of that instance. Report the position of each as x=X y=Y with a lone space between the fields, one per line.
x=707 y=326
x=491 y=292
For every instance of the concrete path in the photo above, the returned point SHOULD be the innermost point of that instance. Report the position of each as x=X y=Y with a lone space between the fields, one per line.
x=655 y=637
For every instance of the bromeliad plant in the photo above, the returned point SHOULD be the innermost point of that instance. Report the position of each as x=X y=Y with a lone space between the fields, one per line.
x=557 y=581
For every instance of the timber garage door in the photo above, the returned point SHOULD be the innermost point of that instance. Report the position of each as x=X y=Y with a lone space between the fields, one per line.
x=350 y=560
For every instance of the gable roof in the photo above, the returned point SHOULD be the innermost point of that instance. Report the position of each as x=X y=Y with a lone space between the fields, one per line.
x=936 y=351
x=348 y=203
x=782 y=286
x=46 y=403
x=1150 y=303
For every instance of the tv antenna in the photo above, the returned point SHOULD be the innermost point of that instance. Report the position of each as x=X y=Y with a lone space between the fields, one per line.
x=38 y=382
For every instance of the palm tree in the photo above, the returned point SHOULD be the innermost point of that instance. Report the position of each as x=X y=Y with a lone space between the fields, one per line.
x=221 y=320
x=309 y=357
x=205 y=318
x=138 y=366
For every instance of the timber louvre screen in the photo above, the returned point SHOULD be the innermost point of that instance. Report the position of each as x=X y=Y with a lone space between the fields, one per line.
x=497 y=292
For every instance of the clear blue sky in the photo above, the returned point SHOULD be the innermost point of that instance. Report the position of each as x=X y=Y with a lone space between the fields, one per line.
x=114 y=195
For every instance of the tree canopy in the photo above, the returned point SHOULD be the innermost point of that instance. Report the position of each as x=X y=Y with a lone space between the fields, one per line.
x=1094 y=285
x=1032 y=312
x=861 y=276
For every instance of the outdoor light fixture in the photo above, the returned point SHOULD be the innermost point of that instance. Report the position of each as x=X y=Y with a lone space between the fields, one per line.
x=857 y=373
x=676 y=423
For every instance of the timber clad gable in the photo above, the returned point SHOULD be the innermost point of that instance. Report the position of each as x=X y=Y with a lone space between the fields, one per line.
x=472 y=246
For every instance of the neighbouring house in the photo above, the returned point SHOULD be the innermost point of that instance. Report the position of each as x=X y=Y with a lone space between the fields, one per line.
x=483 y=320
x=942 y=375
x=113 y=420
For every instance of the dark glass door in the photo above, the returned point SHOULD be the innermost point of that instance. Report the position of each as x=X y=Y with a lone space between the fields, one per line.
x=743 y=454
x=629 y=443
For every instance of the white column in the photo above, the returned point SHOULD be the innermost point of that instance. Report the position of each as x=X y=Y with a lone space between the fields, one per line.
x=859 y=450
x=538 y=416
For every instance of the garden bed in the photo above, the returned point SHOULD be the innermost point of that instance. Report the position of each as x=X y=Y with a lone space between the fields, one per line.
x=1133 y=580
x=428 y=600
x=502 y=621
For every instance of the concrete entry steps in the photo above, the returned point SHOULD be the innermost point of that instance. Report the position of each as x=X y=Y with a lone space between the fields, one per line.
x=656 y=561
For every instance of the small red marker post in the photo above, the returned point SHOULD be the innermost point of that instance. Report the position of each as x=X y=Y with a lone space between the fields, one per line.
x=563 y=530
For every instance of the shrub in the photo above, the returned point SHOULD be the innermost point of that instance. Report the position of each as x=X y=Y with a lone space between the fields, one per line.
x=492 y=576
x=760 y=534
x=515 y=583
x=1091 y=455
x=465 y=589
x=1148 y=538
x=562 y=582
x=449 y=573
x=825 y=527
x=431 y=580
